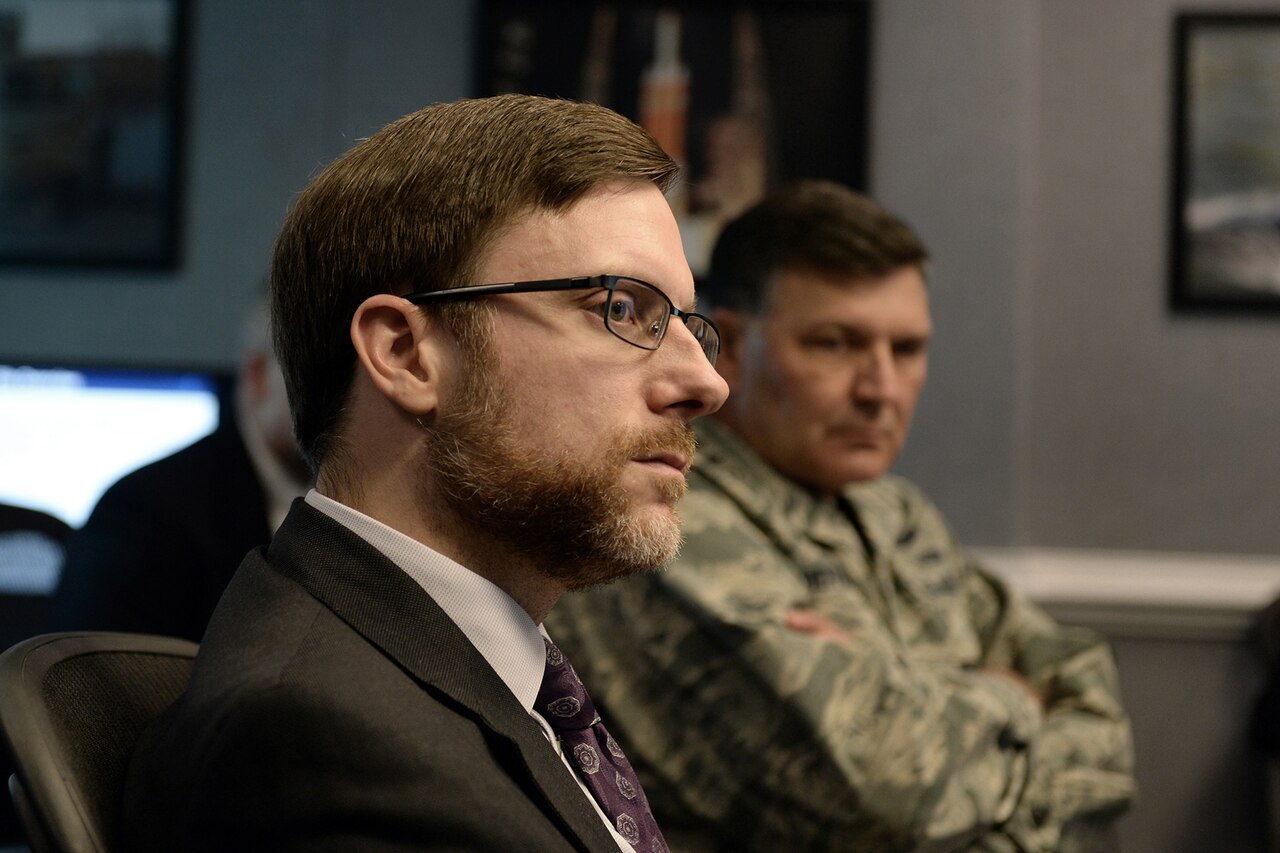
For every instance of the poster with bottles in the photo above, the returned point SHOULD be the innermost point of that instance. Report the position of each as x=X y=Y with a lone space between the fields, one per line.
x=744 y=95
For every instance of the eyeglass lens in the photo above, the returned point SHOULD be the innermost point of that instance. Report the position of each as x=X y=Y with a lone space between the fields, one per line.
x=639 y=313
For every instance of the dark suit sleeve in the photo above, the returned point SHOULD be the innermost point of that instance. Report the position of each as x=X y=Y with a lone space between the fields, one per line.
x=285 y=772
x=281 y=775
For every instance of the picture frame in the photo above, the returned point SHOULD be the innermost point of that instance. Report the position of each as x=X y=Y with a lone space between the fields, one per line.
x=1225 y=222
x=744 y=95
x=91 y=127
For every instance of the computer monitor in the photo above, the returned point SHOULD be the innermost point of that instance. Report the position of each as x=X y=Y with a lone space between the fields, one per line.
x=68 y=432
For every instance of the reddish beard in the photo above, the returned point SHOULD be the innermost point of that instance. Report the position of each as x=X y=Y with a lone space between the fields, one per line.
x=571 y=516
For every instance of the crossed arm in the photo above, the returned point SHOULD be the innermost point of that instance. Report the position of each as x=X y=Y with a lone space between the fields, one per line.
x=1080 y=774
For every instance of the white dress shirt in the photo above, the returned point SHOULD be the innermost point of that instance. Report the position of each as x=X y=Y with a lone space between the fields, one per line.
x=504 y=634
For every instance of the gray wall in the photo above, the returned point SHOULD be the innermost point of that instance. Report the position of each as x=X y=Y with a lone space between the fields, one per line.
x=952 y=122
x=1143 y=430
x=1030 y=142
x=1201 y=789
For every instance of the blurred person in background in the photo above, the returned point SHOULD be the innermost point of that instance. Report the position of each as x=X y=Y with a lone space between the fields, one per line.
x=823 y=668
x=163 y=541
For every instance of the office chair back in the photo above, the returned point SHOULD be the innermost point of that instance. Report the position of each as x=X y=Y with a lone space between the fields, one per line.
x=71 y=708
x=33 y=546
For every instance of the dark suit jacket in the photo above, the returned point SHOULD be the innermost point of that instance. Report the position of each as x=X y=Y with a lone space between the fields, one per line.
x=162 y=543
x=334 y=706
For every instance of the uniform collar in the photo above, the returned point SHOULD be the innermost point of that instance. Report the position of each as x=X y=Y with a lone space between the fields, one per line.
x=782 y=506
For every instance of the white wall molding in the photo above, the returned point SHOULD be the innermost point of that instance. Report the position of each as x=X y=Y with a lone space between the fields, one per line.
x=1143 y=594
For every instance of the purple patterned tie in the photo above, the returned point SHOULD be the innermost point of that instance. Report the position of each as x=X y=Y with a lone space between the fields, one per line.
x=564 y=702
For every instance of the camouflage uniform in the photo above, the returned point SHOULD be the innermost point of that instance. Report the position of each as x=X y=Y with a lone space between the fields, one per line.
x=751 y=736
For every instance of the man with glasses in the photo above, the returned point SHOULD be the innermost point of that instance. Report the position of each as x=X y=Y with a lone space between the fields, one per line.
x=473 y=309
x=823 y=668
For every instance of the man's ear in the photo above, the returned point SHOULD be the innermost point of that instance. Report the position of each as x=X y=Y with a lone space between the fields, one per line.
x=399 y=348
x=732 y=326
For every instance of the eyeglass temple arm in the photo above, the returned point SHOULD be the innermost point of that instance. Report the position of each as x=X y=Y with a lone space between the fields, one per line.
x=470 y=290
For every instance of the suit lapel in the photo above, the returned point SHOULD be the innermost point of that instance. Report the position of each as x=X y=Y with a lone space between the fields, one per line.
x=378 y=600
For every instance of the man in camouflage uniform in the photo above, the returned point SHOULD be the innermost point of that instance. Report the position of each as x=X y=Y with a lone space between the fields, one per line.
x=823 y=668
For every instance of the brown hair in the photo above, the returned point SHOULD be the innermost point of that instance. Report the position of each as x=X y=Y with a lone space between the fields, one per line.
x=812 y=226
x=413 y=208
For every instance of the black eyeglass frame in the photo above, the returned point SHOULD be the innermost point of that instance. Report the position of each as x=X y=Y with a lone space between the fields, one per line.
x=586 y=282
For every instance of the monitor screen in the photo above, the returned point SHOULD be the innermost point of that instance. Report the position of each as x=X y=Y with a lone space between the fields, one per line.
x=67 y=433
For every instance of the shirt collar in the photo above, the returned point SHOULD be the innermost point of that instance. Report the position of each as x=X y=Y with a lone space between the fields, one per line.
x=504 y=634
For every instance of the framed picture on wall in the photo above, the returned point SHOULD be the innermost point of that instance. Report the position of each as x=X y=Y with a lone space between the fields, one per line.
x=90 y=127
x=743 y=94
x=1226 y=186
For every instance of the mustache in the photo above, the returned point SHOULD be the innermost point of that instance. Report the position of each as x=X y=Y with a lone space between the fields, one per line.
x=672 y=437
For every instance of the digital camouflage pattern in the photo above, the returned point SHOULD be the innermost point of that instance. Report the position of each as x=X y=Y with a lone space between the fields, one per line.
x=748 y=735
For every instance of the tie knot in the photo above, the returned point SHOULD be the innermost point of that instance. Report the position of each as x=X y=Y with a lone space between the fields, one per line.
x=562 y=699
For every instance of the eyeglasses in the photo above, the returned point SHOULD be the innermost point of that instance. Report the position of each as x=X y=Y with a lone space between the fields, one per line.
x=635 y=311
